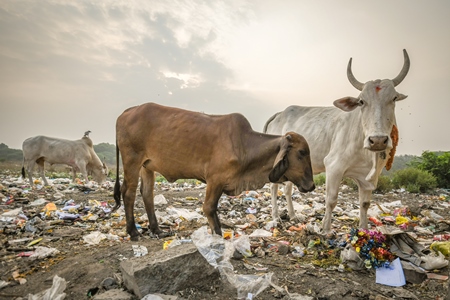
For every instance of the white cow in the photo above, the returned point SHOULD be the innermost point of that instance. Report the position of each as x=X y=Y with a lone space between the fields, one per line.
x=352 y=139
x=78 y=154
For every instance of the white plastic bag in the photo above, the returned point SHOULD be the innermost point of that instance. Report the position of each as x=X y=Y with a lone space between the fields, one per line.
x=56 y=292
x=43 y=252
x=94 y=238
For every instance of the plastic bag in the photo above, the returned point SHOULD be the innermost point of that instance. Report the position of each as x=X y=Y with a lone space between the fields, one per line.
x=218 y=251
x=249 y=286
x=184 y=213
x=432 y=262
x=139 y=250
x=152 y=297
x=159 y=200
x=43 y=252
x=53 y=293
x=351 y=258
x=242 y=245
x=94 y=238
x=261 y=233
x=212 y=247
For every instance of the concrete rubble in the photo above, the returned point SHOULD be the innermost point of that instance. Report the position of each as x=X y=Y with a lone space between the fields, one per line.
x=161 y=273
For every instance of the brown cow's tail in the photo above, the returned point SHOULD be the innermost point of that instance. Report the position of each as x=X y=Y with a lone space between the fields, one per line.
x=23 y=167
x=117 y=185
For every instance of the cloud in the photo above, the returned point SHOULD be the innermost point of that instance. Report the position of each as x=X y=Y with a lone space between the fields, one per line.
x=70 y=66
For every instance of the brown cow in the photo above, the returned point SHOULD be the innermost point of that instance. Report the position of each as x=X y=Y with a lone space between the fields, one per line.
x=220 y=150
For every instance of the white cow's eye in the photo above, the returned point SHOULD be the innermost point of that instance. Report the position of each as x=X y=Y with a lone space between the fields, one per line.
x=361 y=102
x=395 y=98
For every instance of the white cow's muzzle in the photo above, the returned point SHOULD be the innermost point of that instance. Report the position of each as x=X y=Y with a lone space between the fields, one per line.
x=378 y=143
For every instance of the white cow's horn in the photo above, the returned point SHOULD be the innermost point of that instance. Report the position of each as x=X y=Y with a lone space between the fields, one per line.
x=358 y=85
x=397 y=80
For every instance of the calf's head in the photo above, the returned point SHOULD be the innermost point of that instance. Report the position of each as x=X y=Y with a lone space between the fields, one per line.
x=377 y=103
x=293 y=163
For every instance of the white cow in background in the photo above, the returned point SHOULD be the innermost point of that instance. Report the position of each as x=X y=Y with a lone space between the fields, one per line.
x=353 y=139
x=78 y=154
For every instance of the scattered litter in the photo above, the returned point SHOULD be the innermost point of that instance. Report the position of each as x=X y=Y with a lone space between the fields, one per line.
x=417 y=236
x=176 y=242
x=251 y=210
x=3 y=284
x=227 y=234
x=36 y=241
x=18 y=277
x=94 y=238
x=38 y=202
x=139 y=250
x=183 y=213
x=391 y=276
x=56 y=292
x=160 y=200
x=442 y=247
x=260 y=233
x=12 y=212
x=218 y=251
x=43 y=252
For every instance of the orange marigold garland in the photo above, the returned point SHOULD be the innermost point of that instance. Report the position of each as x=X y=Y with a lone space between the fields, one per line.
x=394 y=137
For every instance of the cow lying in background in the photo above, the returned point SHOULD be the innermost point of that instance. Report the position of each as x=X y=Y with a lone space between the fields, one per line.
x=78 y=154
x=354 y=139
x=220 y=150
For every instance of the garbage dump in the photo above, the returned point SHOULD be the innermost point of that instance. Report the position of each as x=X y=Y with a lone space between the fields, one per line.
x=49 y=231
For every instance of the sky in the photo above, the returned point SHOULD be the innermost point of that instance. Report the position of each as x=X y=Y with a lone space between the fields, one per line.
x=71 y=66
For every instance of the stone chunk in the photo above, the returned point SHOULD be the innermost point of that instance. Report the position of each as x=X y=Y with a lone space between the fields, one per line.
x=413 y=274
x=114 y=294
x=168 y=271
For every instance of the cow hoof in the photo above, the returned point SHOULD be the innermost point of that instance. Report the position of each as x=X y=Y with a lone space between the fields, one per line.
x=297 y=218
x=161 y=234
x=330 y=235
x=134 y=238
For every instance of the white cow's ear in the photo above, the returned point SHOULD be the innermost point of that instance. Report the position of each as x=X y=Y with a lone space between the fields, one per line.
x=401 y=97
x=346 y=103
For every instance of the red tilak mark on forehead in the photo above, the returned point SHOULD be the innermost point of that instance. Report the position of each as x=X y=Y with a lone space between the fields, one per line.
x=377 y=88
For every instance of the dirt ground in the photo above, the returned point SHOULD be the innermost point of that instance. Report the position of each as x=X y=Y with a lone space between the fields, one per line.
x=316 y=275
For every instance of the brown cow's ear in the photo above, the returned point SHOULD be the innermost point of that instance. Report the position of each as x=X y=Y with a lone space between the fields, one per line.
x=279 y=169
x=281 y=161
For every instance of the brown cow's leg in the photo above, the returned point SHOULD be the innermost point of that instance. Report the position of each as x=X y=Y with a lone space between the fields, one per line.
x=288 y=194
x=274 y=192
x=147 y=184
x=129 y=187
x=210 y=207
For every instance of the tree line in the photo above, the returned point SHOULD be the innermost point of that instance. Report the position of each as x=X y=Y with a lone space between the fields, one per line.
x=414 y=173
